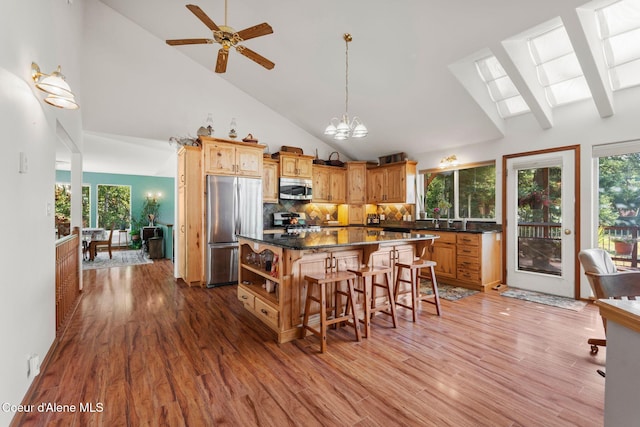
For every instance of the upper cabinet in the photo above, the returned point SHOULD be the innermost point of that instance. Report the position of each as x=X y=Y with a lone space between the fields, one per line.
x=296 y=165
x=356 y=182
x=270 y=181
x=393 y=183
x=329 y=184
x=224 y=157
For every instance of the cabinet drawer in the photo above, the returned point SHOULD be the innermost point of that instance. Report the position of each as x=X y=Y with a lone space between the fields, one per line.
x=267 y=313
x=445 y=237
x=468 y=263
x=468 y=275
x=468 y=239
x=246 y=297
x=470 y=251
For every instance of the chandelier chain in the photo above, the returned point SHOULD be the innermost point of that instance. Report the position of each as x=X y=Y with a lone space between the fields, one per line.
x=346 y=78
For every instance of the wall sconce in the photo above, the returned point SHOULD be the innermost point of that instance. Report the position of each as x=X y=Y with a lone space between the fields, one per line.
x=57 y=89
x=153 y=197
x=448 y=162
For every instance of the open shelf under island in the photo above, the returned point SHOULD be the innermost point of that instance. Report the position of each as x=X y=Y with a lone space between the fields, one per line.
x=272 y=267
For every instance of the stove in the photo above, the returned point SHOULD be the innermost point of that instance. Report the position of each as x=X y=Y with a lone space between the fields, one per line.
x=293 y=222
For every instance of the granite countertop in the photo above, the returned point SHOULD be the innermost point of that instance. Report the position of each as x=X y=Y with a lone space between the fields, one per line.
x=336 y=237
x=427 y=225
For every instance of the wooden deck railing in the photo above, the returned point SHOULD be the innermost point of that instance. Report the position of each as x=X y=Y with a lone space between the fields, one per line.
x=67 y=276
x=606 y=240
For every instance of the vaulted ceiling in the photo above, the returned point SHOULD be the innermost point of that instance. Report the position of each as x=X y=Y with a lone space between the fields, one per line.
x=407 y=77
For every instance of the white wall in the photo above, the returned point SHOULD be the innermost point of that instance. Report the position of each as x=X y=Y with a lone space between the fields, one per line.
x=574 y=124
x=27 y=304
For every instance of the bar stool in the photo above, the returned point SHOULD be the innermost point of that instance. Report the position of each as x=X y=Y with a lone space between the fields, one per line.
x=365 y=277
x=415 y=276
x=319 y=282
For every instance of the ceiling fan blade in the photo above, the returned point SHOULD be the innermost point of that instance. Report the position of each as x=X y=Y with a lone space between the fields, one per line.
x=203 y=17
x=179 y=42
x=255 y=57
x=255 y=31
x=221 y=63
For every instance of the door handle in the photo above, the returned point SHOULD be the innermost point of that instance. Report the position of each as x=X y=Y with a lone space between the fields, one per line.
x=567 y=231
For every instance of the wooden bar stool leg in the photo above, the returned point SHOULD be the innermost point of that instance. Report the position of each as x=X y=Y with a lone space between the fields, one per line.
x=366 y=305
x=351 y=301
x=391 y=300
x=323 y=318
x=434 y=289
x=415 y=292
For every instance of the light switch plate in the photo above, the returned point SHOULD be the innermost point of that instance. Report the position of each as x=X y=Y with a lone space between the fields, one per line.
x=24 y=164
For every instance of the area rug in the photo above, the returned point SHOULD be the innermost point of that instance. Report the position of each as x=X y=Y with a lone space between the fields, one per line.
x=120 y=259
x=450 y=293
x=547 y=299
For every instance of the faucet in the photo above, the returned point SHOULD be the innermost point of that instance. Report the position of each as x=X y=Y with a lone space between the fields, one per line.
x=464 y=223
x=450 y=223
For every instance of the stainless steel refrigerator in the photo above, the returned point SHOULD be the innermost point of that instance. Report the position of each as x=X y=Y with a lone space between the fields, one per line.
x=234 y=207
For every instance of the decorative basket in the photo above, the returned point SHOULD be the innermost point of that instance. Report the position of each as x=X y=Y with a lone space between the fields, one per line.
x=333 y=162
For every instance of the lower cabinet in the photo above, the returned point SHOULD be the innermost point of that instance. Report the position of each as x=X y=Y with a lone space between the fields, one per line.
x=470 y=260
x=260 y=285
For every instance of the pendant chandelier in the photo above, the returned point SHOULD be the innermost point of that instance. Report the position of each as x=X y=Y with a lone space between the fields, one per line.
x=341 y=129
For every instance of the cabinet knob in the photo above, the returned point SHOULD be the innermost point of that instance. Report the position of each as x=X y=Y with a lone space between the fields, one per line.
x=263 y=311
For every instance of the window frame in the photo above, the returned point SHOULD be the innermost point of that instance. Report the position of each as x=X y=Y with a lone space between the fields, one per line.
x=455 y=206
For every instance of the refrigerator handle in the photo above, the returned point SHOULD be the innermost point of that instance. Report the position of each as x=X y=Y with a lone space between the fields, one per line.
x=237 y=207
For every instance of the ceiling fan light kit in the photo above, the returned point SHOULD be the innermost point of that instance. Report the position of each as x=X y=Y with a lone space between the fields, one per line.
x=227 y=37
x=342 y=129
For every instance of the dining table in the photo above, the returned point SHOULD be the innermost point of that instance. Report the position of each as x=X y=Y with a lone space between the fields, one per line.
x=90 y=237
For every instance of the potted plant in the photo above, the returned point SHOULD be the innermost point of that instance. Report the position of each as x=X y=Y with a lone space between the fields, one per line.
x=624 y=244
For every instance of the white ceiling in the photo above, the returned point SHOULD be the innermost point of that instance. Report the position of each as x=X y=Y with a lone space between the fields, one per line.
x=400 y=83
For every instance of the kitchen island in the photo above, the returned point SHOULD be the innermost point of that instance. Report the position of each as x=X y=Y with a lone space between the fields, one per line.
x=272 y=267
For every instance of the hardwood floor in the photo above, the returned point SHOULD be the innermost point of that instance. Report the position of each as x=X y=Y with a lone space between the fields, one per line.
x=153 y=352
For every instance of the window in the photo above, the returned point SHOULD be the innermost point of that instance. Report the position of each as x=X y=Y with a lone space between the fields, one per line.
x=501 y=89
x=558 y=69
x=618 y=171
x=466 y=192
x=619 y=30
x=63 y=207
x=114 y=206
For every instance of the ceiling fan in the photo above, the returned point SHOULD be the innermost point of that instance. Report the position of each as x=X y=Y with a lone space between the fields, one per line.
x=228 y=38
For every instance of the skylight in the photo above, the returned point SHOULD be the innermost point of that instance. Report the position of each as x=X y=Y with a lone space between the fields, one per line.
x=558 y=68
x=501 y=89
x=619 y=30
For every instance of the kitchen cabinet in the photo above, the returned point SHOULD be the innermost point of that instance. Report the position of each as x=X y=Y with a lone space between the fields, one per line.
x=470 y=260
x=224 y=157
x=329 y=184
x=443 y=252
x=479 y=260
x=190 y=217
x=393 y=183
x=357 y=214
x=296 y=165
x=260 y=282
x=270 y=181
x=356 y=182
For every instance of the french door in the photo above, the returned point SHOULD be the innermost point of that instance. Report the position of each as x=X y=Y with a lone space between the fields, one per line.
x=540 y=209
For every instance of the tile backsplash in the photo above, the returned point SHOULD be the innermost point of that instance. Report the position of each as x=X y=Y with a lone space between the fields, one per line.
x=317 y=212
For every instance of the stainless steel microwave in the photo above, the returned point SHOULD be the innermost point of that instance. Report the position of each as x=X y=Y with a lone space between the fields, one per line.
x=295 y=189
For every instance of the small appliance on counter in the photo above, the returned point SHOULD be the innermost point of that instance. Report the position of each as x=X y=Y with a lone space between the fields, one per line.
x=293 y=222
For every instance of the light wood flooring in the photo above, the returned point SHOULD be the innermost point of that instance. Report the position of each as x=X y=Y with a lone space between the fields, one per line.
x=154 y=352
